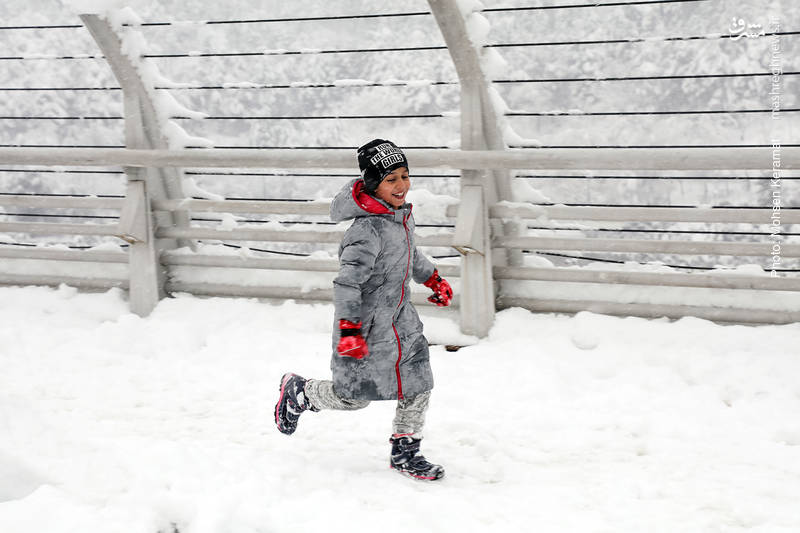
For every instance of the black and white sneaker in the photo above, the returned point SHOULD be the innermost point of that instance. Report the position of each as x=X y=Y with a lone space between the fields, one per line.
x=292 y=402
x=407 y=460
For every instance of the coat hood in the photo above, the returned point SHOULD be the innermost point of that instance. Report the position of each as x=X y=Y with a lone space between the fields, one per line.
x=352 y=202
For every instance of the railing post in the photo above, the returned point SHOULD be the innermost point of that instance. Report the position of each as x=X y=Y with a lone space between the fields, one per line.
x=480 y=130
x=143 y=130
x=146 y=277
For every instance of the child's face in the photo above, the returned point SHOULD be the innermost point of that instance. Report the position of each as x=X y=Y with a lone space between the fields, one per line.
x=394 y=187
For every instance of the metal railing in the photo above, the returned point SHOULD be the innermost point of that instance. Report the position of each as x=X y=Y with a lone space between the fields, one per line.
x=461 y=237
x=490 y=233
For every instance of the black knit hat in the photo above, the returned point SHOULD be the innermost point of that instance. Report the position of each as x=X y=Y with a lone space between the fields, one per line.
x=378 y=158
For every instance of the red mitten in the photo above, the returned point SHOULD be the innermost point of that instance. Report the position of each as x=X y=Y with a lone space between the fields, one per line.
x=351 y=343
x=442 y=292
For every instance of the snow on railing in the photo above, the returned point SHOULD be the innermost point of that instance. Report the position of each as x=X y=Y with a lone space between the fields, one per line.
x=211 y=270
x=211 y=222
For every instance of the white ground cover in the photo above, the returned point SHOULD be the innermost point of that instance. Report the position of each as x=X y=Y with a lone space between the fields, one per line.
x=114 y=423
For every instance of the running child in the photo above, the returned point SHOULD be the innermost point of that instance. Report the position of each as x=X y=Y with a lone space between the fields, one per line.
x=379 y=351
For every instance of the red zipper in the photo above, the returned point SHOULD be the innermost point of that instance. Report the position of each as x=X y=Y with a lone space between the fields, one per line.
x=396 y=336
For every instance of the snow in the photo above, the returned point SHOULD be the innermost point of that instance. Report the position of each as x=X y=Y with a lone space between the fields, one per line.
x=493 y=66
x=178 y=138
x=591 y=423
x=351 y=82
x=134 y=46
x=95 y=7
x=513 y=138
x=119 y=17
x=523 y=191
x=18 y=480
x=118 y=423
x=740 y=270
x=228 y=221
x=407 y=83
x=431 y=207
x=467 y=7
x=418 y=83
x=241 y=85
x=191 y=189
x=188 y=23
x=477 y=29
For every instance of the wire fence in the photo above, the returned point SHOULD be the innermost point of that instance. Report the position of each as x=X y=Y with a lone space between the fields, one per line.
x=314 y=51
x=361 y=84
x=400 y=83
x=583 y=228
x=266 y=200
x=595 y=259
x=635 y=40
x=351 y=148
x=559 y=227
x=406 y=83
x=415 y=175
x=588 y=259
x=355 y=16
x=416 y=116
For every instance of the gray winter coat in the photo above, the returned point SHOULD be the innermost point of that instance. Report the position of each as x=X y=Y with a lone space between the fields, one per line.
x=377 y=260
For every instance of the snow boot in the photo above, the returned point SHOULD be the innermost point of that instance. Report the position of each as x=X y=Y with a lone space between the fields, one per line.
x=291 y=403
x=407 y=460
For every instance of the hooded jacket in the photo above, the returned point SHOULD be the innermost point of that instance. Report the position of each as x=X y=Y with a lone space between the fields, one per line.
x=377 y=261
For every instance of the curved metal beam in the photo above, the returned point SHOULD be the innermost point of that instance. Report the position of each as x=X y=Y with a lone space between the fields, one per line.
x=480 y=130
x=480 y=122
x=143 y=130
x=142 y=127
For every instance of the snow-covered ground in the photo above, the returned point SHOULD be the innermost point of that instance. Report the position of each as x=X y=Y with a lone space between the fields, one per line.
x=113 y=423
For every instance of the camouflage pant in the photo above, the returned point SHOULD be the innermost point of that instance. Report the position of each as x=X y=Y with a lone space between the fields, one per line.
x=409 y=416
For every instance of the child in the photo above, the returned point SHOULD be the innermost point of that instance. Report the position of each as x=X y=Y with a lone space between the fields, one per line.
x=379 y=350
